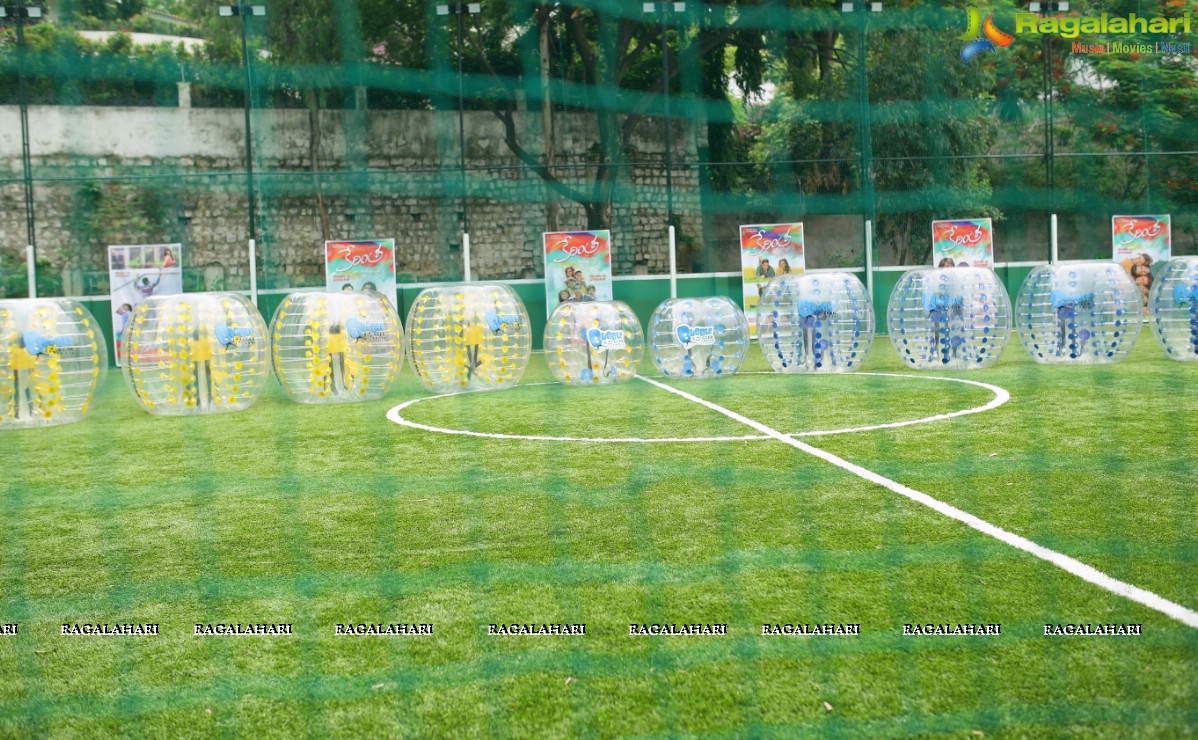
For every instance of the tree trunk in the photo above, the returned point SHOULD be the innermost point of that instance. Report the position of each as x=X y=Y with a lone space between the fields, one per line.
x=314 y=136
x=599 y=210
x=905 y=239
x=610 y=150
x=598 y=215
x=826 y=45
x=825 y=42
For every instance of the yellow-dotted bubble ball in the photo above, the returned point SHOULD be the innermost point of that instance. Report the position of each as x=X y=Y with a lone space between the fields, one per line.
x=328 y=343
x=461 y=331
x=221 y=331
x=50 y=364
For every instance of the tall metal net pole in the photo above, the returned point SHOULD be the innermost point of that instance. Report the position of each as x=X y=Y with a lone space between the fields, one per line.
x=663 y=10
x=240 y=10
x=19 y=13
x=26 y=155
x=249 y=156
x=665 y=74
x=868 y=204
x=462 y=125
x=458 y=10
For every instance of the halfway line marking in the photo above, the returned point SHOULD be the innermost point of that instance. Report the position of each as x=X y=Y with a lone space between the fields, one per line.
x=1071 y=565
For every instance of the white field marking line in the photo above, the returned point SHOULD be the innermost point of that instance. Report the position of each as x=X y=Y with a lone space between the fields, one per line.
x=1088 y=573
x=395 y=416
x=1001 y=396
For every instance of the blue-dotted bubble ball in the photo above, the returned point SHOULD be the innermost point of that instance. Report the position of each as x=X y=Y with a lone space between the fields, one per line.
x=195 y=353
x=698 y=337
x=1173 y=309
x=949 y=318
x=52 y=358
x=336 y=346
x=593 y=342
x=1079 y=313
x=475 y=336
x=815 y=323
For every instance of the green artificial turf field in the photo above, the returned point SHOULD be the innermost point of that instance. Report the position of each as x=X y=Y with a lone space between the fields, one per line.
x=317 y=516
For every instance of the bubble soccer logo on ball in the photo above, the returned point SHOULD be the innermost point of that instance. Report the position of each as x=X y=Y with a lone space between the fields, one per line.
x=228 y=336
x=496 y=321
x=695 y=336
x=362 y=330
x=36 y=344
x=610 y=339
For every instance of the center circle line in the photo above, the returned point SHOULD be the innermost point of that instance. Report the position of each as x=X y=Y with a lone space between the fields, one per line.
x=1001 y=396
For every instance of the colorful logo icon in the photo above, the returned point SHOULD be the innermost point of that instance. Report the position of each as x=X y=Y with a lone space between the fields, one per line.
x=358 y=329
x=228 y=336
x=36 y=344
x=497 y=321
x=976 y=44
x=693 y=336
x=601 y=339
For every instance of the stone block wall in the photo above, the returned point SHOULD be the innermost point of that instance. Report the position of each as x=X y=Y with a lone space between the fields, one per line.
x=150 y=175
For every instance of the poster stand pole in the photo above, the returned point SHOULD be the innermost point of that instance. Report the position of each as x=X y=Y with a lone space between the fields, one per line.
x=31 y=271
x=869 y=258
x=673 y=264
x=466 y=255
x=254 y=272
x=1052 y=238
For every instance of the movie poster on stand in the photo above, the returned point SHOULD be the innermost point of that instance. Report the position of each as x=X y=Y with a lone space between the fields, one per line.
x=1142 y=244
x=136 y=272
x=963 y=242
x=577 y=267
x=367 y=264
x=766 y=251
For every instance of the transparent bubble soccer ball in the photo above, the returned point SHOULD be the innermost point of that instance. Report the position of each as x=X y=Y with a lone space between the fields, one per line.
x=593 y=342
x=698 y=337
x=1173 y=309
x=195 y=353
x=336 y=347
x=815 y=323
x=469 y=337
x=1079 y=313
x=52 y=357
x=952 y=318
